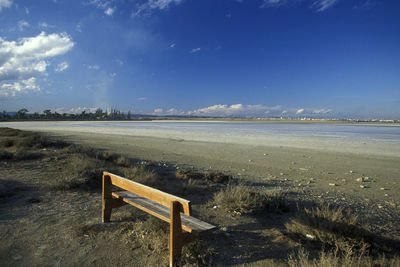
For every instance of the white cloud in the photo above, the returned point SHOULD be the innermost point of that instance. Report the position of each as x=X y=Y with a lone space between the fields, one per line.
x=78 y=27
x=45 y=25
x=26 y=10
x=241 y=110
x=22 y=24
x=172 y=45
x=5 y=4
x=109 y=11
x=141 y=98
x=93 y=67
x=322 y=5
x=321 y=111
x=195 y=50
x=61 y=66
x=273 y=3
x=22 y=60
x=12 y=89
x=146 y=7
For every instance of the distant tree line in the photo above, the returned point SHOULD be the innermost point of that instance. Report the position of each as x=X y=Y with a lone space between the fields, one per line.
x=98 y=115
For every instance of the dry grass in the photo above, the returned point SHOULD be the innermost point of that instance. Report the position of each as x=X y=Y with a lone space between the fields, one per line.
x=335 y=259
x=215 y=177
x=330 y=227
x=142 y=175
x=240 y=199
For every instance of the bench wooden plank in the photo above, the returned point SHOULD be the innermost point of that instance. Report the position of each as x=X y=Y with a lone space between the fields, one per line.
x=148 y=192
x=189 y=224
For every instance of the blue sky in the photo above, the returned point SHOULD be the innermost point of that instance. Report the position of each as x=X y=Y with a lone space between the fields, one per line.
x=321 y=58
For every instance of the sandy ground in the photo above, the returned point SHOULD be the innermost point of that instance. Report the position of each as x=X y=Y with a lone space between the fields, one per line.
x=313 y=174
x=329 y=168
x=324 y=166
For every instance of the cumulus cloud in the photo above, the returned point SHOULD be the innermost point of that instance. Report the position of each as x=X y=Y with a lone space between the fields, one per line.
x=61 y=66
x=22 y=60
x=172 y=45
x=322 y=5
x=5 y=4
x=22 y=24
x=141 y=98
x=241 y=110
x=109 y=11
x=12 y=89
x=146 y=7
x=195 y=50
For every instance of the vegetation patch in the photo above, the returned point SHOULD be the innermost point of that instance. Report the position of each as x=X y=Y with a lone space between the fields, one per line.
x=241 y=199
x=334 y=258
x=215 y=177
x=335 y=228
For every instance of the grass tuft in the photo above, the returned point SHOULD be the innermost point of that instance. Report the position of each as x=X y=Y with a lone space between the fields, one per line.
x=330 y=227
x=240 y=199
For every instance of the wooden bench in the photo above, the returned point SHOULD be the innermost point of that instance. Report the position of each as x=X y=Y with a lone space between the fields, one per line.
x=172 y=209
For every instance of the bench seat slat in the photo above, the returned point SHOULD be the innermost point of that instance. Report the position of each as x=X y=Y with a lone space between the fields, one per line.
x=189 y=223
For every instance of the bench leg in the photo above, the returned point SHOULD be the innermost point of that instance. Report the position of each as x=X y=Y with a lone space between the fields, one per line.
x=177 y=238
x=175 y=242
x=106 y=199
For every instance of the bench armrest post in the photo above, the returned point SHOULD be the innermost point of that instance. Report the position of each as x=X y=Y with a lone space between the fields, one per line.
x=106 y=199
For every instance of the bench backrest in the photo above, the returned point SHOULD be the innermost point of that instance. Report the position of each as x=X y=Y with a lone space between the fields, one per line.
x=155 y=195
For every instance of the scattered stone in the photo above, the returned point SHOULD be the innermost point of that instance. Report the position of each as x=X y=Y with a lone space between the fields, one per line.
x=382 y=188
x=351 y=171
x=361 y=179
x=380 y=206
x=343 y=180
x=386 y=195
x=282 y=173
x=17 y=257
x=310 y=237
x=332 y=184
x=300 y=184
x=215 y=207
x=303 y=169
x=363 y=186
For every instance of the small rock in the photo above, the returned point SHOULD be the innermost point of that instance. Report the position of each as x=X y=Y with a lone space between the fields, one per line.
x=310 y=237
x=215 y=207
x=303 y=169
x=282 y=173
x=382 y=188
x=332 y=184
x=380 y=206
x=343 y=180
x=363 y=186
x=361 y=179
x=17 y=257
x=351 y=171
